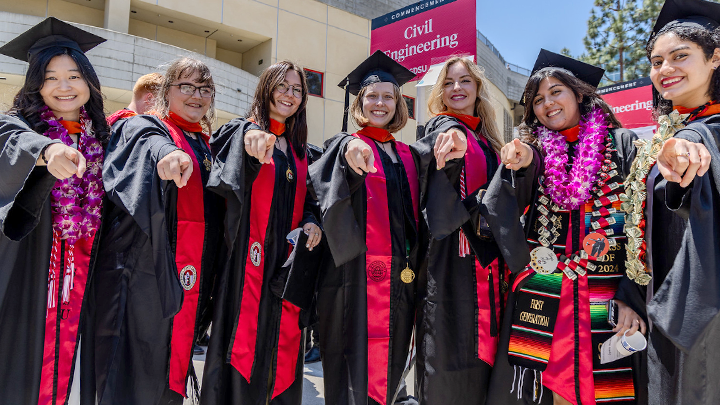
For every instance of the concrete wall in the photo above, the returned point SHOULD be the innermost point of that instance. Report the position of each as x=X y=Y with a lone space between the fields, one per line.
x=368 y=8
x=509 y=82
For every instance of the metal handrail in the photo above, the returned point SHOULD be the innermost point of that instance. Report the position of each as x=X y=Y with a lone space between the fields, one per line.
x=510 y=66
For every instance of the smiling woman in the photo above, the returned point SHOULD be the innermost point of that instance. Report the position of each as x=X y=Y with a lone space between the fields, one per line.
x=677 y=248
x=255 y=353
x=163 y=236
x=568 y=171
x=51 y=197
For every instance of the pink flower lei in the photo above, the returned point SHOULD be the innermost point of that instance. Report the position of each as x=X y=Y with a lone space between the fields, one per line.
x=570 y=190
x=76 y=203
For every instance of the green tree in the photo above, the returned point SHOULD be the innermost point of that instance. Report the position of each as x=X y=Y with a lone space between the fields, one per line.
x=617 y=33
x=566 y=52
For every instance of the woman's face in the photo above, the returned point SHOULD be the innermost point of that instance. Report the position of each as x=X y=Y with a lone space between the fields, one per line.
x=190 y=107
x=680 y=72
x=64 y=90
x=459 y=90
x=555 y=105
x=286 y=103
x=378 y=104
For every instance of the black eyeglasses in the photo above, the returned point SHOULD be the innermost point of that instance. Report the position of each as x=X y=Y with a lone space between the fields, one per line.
x=284 y=87
x=189 y=89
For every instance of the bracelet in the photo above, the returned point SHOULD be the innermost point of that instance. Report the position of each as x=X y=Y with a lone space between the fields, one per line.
x=42 y=153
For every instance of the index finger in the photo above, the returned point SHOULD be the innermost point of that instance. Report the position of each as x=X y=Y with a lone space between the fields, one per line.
x=371 y=163
x=186 y=173
x=81 y=164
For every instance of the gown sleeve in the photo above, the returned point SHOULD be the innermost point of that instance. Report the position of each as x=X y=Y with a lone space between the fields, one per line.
x=132 y=183
x=332 y=183
x=233 y=171
x=689 y=298
x=440 y=202
x=24 y=188
x=509 y=194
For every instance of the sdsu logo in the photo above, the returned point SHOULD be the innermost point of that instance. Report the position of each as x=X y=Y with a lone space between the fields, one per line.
x=376 y=271
x=255 y=253
x=188 y=276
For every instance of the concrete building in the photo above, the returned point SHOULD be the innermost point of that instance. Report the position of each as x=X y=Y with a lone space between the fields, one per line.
x=238 y=39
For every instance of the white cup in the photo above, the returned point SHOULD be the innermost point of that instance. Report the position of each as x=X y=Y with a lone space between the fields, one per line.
x=628 y=345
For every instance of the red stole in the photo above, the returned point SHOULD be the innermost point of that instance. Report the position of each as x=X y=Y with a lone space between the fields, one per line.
x=188 y=257
x=67 y=278
x=243 y=353
x=378 y=266
x=475 y=176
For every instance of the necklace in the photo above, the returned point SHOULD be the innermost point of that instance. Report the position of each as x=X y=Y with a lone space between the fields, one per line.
x=570 y=190
x=635 y=196
x=76 y=202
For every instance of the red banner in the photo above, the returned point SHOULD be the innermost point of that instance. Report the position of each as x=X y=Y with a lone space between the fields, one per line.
x=631 y=102
x=425 y=33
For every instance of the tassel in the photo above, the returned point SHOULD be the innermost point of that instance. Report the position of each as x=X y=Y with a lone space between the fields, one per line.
x=541 y=388
x=69 y=280
x=464 y=245
x=512 y=387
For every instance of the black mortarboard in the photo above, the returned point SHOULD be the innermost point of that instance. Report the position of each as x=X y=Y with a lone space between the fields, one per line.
x=49 y=33
x=691 y=13
x=375 y=69
x=584 y=71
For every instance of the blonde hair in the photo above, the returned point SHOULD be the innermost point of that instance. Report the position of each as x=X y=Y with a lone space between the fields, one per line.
x=185 y=68
x=149 y=83
x=399 y=119
x=483 y=108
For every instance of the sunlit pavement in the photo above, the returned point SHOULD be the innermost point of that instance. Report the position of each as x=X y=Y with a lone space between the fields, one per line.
x=313 y=389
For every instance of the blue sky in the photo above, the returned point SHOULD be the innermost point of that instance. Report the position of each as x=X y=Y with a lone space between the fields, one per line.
x=519 y=28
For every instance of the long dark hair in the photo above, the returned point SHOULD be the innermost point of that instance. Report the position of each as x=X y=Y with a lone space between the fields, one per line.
x=590 y=100
x=707 y=40
x=28 y=102
x=296 y=124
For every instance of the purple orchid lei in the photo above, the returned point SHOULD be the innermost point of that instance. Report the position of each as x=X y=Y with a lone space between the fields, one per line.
x=570 y=190
x=75 y=202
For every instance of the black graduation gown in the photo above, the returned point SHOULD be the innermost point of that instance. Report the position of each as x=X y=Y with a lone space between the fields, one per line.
x=137 y=291
x=25 y=244
x=683 y=354
x=342 y=288
x=232 y=177
x=506 y=198
x=448 y=370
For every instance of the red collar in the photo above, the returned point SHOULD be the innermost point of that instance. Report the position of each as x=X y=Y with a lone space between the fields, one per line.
x=378 y=134
x=571 y=134
x=469 y=120
x=711 y=108
x=183 y=124
x=120 y=114
x=72 y=127
x=277 y=127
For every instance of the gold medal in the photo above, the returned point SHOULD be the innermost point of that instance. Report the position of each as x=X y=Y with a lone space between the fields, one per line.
x=407 y=276
x=290 y=175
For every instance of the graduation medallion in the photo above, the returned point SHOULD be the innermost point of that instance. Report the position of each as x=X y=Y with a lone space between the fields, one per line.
x=596 y=244
x=255 y=253
x=289 y=175
x=188 y=276
x=543 y=260
x=207 y=163
x=407 y=276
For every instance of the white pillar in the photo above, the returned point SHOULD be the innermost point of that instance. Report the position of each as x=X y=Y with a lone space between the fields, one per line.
x=117 y=15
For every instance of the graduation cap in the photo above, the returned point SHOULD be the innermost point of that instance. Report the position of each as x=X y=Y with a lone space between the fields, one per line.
x=375 y=69
x=49 y=33
x=689 y=13
x=584 y=71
